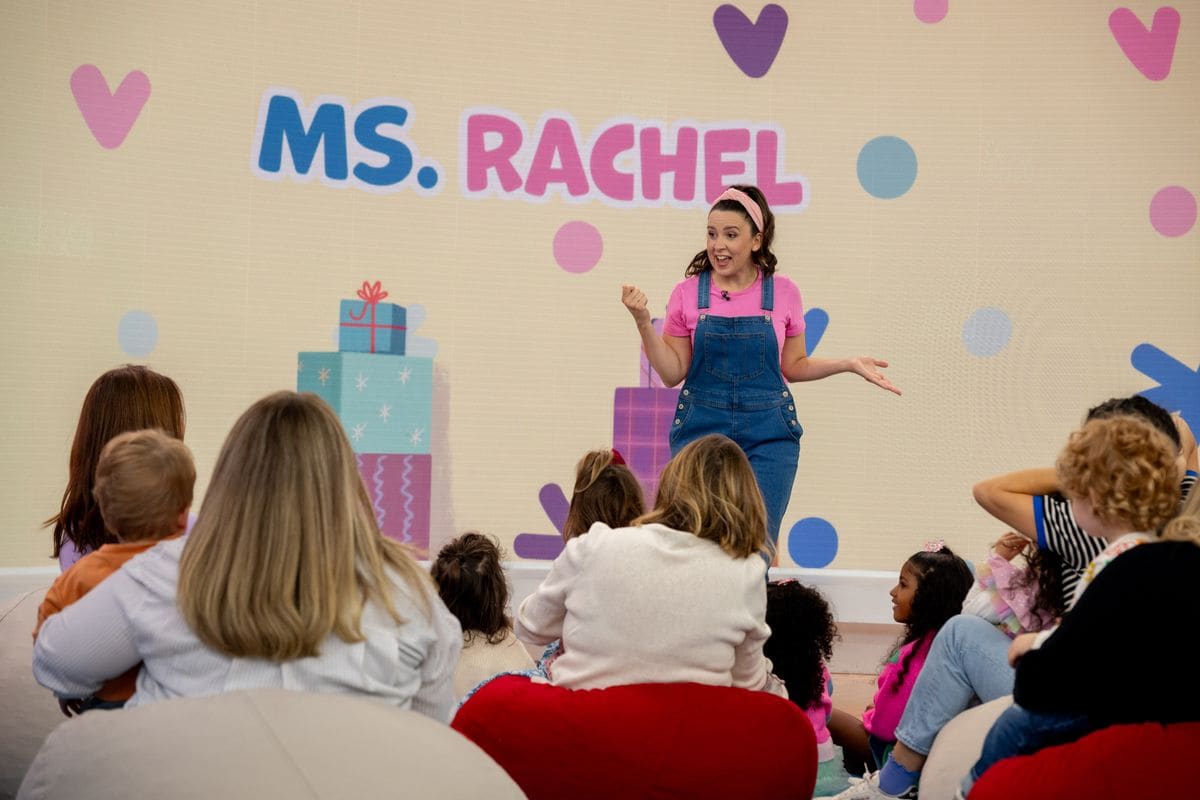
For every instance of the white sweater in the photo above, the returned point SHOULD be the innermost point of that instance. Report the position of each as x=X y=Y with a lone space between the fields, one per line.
x=650 y=605
x=132 y=616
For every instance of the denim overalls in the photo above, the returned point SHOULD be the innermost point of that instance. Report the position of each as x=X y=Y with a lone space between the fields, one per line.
x=735 y=387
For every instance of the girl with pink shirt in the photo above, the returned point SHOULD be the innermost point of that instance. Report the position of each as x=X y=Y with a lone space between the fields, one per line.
x=930 y=590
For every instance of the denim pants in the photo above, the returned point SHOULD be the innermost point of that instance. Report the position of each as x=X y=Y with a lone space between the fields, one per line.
x=967 y=662
x=1018 y=732
x=735 y=387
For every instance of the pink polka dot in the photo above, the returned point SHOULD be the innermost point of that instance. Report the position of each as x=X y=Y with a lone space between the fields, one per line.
x=578 y=246
x=931 y=11
x=1173 y=211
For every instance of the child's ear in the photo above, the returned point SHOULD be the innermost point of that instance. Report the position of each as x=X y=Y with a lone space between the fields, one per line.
x=182 y=520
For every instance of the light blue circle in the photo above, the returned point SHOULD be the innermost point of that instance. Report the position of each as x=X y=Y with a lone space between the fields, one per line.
x=887 y=167
x=427 y=177
x=812 y=542
x=986 y=332
x=137 y=333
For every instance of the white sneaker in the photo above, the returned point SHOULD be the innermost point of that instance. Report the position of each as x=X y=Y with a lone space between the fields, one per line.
x=867 y=788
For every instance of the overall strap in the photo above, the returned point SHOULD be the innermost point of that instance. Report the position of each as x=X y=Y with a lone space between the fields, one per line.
x=703 y=289
x=768 y=292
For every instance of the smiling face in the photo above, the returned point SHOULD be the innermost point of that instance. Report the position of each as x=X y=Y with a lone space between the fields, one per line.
x=731 y=248
x=903 y=593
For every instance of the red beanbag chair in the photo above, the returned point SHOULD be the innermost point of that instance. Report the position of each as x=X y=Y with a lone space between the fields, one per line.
x=1120 y=762
x=645 y=740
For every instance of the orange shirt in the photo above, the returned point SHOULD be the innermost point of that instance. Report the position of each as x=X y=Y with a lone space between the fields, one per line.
x=83 y=576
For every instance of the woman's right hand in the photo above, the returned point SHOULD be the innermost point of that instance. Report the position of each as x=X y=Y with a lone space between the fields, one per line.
x=634 y=299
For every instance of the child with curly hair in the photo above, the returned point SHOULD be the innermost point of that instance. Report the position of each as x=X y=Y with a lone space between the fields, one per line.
x=801 y=644
x=1017 y=599
x=472 y=584
x=930 y=590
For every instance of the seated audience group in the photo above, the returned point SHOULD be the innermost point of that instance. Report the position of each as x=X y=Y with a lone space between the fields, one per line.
x=283 y=580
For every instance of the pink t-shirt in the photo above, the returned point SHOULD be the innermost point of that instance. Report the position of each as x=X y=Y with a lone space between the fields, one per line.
x=787 y=317
x=891 y=698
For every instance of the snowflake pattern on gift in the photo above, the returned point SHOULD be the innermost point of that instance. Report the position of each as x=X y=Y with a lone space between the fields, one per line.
x=405 y=375
x=360 y=382
x=359 y=431
x=385 y=412
x=323 y=375
x=417 y=435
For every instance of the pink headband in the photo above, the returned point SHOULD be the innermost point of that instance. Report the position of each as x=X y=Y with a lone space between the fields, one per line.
x=747 y=203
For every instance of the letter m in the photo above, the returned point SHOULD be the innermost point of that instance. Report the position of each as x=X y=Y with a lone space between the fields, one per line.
x=284 y=122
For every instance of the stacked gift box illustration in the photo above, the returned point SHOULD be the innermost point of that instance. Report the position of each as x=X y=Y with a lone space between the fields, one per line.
x=642 y=419
x=384 y=399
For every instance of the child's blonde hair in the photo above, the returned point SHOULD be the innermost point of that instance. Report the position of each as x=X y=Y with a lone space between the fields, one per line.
x=287 y=549
x=709 y=489
x=605 y=491
x=1127 y=470
x=144 y=480
x=1186 y=526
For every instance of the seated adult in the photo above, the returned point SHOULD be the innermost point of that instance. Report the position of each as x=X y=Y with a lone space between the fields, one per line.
x=128 y=398
x=968 y=661
x=285 y=582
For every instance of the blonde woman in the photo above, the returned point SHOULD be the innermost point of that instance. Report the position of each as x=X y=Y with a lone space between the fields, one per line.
x=285 y=582
x=678 y=596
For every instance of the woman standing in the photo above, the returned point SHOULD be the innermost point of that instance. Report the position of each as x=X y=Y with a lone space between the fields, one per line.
x=735 y=331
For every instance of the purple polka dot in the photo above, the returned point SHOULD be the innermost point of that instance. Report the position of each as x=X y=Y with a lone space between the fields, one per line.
x=578 y=246
x=931 y=11
x=1173 y=211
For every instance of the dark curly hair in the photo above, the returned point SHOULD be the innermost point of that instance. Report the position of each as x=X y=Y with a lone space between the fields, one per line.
x=472 y=584
x=764 y=259
x=802 y=634
x=943 y=580
x=1043 y=572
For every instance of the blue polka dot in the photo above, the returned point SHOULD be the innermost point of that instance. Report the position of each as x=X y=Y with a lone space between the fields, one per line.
x=812 y=542
x=427 y=177
x=137 y=333
x=986 y=332
x=887 y=167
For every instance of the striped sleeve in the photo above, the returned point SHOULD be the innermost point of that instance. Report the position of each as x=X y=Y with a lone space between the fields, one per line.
x=1058 y=533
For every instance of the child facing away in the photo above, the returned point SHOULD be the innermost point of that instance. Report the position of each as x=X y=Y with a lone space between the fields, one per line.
x=472 y=584
x=678 y=596
x=930 y=590
x=605 y=491
x=143 y=488
x=801 y=644
x=1121 y=476
x=1016 y=599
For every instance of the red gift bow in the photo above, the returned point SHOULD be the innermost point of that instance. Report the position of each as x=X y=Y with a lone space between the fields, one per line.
x=371 y=294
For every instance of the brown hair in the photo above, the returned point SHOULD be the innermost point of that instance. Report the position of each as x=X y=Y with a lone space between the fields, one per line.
x=1186 y=526
x=471 y=583
x=127 y=398
x=1127 y=470
x=605 y=491
x=709 y=489
x=143 y=481
x=764 y=259
x=286 y=550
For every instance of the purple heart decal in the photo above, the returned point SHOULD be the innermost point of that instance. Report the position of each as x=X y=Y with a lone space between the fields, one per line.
x=752 y=45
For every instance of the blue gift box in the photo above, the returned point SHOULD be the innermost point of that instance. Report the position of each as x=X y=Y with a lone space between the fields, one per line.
x=385 y=402
x=366 y=327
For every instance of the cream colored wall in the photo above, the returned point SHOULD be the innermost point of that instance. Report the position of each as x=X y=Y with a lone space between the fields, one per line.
x=1039 y=148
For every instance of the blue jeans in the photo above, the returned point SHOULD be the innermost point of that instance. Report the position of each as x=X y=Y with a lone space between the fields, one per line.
x=1017 y=732
x=967 y=662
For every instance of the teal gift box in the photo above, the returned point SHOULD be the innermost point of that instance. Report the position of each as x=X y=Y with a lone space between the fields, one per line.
x=385 y=402
x=367 y=325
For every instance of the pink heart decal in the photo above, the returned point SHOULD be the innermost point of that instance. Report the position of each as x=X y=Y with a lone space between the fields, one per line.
x=109 y=116
x=1151 y=51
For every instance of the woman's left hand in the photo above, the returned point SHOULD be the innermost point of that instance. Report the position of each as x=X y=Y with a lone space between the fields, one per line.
x=868 y=368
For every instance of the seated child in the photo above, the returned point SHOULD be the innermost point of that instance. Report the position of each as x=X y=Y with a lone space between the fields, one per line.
x=1122 y=479
x=801 y=644
x=471 y=582
x=1013 y=598
x=605 y=491
x=143 y=487
x=931 y=589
